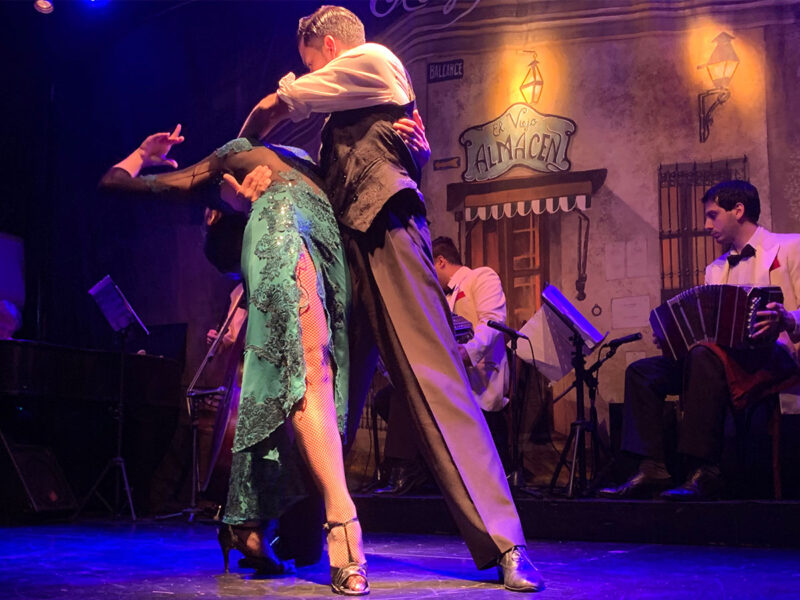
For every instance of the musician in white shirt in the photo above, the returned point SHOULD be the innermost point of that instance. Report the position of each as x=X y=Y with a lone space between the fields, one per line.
x=711 y=378
x=477 y=295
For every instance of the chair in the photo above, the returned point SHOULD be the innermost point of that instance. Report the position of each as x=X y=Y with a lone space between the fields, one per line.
x=766 y=413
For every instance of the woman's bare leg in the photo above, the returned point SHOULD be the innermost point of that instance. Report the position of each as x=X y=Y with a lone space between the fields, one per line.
x=315 y=423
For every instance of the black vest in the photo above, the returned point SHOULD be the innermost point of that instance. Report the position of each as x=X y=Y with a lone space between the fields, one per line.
x=365 y=162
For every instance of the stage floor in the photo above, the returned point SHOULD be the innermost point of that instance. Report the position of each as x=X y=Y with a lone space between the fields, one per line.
x=148 y=560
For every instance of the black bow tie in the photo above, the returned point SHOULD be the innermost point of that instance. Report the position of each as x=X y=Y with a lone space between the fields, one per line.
x=747 y=252
x=448 y=291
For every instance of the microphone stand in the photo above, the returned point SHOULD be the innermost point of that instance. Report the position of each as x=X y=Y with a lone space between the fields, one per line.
x=579 y=428
x=576 y=441
x=516 y=478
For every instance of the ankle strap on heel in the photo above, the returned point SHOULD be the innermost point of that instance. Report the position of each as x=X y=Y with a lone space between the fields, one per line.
x=328 y=525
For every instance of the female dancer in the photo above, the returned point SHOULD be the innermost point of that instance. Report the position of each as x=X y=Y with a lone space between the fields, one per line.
x=294 y=384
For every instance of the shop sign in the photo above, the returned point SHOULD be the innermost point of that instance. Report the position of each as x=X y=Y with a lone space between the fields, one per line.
x=520 y=136
x=383 y=8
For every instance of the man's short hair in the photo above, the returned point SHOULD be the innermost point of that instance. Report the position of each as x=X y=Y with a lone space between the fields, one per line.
x=336 y=21
x=446 y=248
x=729 y=193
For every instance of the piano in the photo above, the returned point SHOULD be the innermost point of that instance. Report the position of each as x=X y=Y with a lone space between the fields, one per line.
x=64 y=398
x=63 y=374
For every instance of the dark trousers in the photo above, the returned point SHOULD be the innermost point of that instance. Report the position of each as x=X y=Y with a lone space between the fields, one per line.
x=399 y=307
x=401 y=437
x=700 y=380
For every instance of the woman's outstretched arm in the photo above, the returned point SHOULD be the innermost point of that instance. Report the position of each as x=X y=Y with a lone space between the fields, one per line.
x=152 y=152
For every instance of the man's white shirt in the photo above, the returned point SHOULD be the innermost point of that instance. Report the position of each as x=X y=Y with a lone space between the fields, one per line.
x=364 y=76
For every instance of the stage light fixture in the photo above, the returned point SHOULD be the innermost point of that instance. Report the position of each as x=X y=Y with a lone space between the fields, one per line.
x=43 y=6
x=721 y=67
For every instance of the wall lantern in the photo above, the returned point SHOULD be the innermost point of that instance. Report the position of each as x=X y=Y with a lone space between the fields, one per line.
x=532 y=84
x=721 y=66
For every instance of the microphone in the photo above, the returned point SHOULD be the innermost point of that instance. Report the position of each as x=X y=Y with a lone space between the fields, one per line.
x=624 y=340
x=508 y=331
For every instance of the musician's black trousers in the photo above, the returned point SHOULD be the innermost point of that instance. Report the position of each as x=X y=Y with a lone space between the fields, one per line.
x=700 y=380
x=401 y=438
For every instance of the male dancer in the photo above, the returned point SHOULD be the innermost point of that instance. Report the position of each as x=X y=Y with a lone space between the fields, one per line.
x=398 y=303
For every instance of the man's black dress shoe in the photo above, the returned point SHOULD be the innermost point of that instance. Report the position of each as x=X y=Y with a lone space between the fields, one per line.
x=380 y=480
x=518 y=572
x=638 y=487
x=402 y=479
x=704 y=484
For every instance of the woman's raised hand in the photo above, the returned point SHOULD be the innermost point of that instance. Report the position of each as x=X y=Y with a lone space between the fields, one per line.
x=155 y=147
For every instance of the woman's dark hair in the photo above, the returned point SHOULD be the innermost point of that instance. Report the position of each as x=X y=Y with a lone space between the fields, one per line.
x=223 y=244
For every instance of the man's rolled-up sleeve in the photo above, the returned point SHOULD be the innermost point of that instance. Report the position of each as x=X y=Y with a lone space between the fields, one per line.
x=345 y=83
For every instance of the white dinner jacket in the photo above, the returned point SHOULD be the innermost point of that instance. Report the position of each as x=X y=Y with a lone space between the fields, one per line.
x=478 y=297
x=776 y=262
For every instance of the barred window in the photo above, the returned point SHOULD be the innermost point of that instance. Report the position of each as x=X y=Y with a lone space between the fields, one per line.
x=686 y=248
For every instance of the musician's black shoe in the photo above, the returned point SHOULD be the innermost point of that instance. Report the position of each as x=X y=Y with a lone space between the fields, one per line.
x=380 y=480
x=638 y=487
x=704 y=484
x=403 y=478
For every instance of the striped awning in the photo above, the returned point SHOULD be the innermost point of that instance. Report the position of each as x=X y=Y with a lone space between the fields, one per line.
x=538 y=206
x=543 y=194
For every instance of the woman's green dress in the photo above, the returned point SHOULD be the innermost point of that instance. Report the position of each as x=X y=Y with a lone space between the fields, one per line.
x=267 y=472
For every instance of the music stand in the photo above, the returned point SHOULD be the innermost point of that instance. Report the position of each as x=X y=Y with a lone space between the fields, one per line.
x=584 y=337
x=121 y=317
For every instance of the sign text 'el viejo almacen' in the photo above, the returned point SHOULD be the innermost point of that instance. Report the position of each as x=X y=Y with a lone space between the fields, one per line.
x=520 y=136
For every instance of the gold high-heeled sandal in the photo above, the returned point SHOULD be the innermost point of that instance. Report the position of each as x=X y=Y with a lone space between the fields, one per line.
x=340 y=576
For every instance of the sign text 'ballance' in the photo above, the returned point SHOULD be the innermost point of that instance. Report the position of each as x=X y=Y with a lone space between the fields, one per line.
x=445 y=71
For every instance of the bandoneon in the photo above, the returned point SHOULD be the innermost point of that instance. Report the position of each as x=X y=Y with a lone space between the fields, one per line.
x=720 y=314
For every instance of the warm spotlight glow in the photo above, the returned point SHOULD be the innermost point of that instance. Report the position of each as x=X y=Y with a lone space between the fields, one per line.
x=43 y=6
x=532 y=84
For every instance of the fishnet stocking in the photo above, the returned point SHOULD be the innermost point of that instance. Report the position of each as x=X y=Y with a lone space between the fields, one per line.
x=314 y=422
